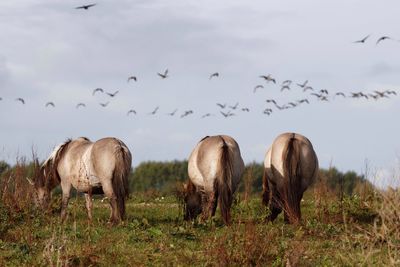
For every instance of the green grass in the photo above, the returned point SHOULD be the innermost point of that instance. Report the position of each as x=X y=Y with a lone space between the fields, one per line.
x=154 y=234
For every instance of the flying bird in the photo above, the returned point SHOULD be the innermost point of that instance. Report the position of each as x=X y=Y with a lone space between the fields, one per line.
x=287 y=82
x=235 y=106
x=268 y=78
x=154 y=111
x=1 y=98
x=50 y=104
x=97 y=90
x=270 y=101
x=308 y=88
x=302 y=85
x=131 y=111
x=285 y=86
x=112 y=94
x=186 y=113
x=257 y=87
x=246 y=109
x=382 y=39
x=20 y=100
x=104 y=104
x=340 y=93
x=172 y=113
x=80 y=105
x=132 y=78
x=206 y=115
x=363 y=39
x=305 y=100
x=221 y=105
x=324 y=91
x=391 y=92
x=163 y=75
x=227 y=114
x=215 y=74
x=86 y=7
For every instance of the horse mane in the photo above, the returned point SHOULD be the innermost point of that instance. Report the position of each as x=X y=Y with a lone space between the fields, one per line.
x=50 y=177
x=292 y=178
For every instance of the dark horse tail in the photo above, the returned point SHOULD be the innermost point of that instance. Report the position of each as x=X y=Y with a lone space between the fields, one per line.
x=224 y=182
x=293 y=179
x=123 y=161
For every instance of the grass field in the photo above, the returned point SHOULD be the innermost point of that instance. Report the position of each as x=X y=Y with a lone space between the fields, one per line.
x=354 y=231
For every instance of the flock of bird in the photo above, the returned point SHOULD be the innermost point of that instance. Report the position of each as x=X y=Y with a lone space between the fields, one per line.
x=227 y=110
x=231 y=110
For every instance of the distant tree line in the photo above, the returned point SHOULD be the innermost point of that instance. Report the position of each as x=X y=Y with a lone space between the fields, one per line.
x=166 y=176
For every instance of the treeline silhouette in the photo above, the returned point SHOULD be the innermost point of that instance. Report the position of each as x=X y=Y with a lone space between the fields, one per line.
x=165 y=176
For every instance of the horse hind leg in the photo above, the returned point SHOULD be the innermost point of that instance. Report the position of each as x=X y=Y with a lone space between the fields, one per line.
x=109 y=192
x=275 y=208
x=89 y=205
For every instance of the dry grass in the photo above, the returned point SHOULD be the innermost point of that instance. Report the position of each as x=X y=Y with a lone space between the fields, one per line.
x=363 y=229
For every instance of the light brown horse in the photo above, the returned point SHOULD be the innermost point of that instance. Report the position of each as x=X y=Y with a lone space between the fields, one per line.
x=215 y=167
x=100 y=167
x=290 y=166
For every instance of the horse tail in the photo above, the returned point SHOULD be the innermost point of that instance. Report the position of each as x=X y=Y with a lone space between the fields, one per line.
x=265 y=186
x=224 y=182
x=292 y=176
x=123 y=161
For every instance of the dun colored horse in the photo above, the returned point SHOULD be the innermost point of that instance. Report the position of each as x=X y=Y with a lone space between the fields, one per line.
x=100 y=167
x=290 y=166
x=215 y=167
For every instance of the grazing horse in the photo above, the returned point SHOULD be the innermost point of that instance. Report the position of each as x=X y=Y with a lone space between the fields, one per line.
x=100 y=167
x=290 y=166
x=215 y=167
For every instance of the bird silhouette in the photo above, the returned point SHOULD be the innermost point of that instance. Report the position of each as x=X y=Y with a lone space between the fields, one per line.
x=154 y=111
x=186 y=113
x=287 y=82
x=302 y=85
x=235 y=106
x=382 y=39
x=206 y=115
x=131 y=111
x=97 y=90
x=340 y=93
x=163 y=75
x=50 y=104
x=1 y=98
x=246 y=109
x=112 y=94
x=221 y=105
x=267 y=111
x=172 y=113
x=308 y=88
x=285 y=86
x=80 y=105
x=257 y=87
x=363 y=39
x=86 y=7
x=104 y=104
x=324 y=91
x=20 y=100
x=227 y=114
x=305 y=100
x=132 y=78
x=271 y=101
x=268 y=78
x=215 y=74
x=391 y=92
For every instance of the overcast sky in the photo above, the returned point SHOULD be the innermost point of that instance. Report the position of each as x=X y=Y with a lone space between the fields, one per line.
x=50 y=51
